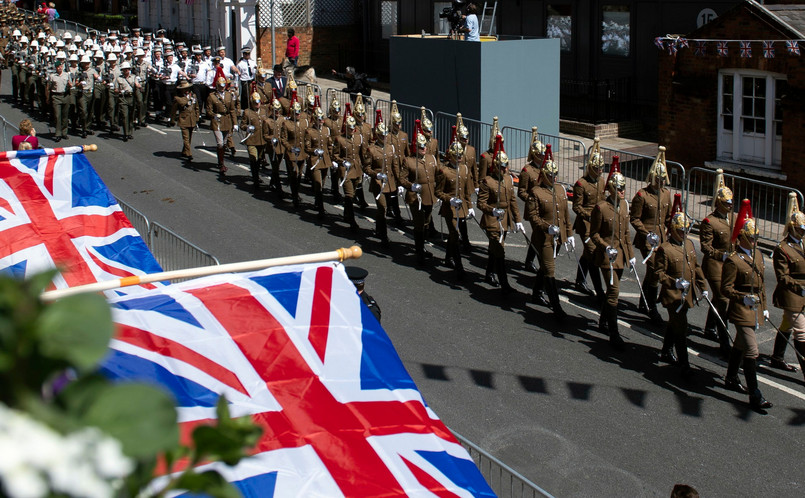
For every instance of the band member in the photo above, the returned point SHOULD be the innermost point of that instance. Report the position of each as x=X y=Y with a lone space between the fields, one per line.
x=124 y=88
x=649 y=215
x=365 y=129
x=293 y=141
x=588 y=191
x=609 y=226
x=681 y=280
x=222 y=111
x=418 y=176
x=350 y=153
x=497 y=201
x=742 y=283
x=186 y=105
x=382 y=169
x=549 y=216
x=789 y=295
x=454 y=187
x=528 y=180
x=273 y=131
x=714 y=235
x=319 y=148
x=252 y=122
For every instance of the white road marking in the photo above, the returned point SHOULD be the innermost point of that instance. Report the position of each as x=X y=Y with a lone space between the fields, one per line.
x=154 y=129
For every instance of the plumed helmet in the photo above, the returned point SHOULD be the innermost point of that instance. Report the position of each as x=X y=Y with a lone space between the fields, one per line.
x=221 y=81
x=296 y=107
x=292 y=84
x=494 y=133
x=595 y=163
x=615 y=181
x=462 y=132
x=421 y=141
x=658 y=173
x=350 y=122
x=396 y=117
x=796 y=218
x=256 y=99
x=536 y=150
x=381 y=130
x=335 y=106
x=427 y=124
x=310 y=96
x=680 y=221
x=501 y=159
x=276 y=105
x=456 y=150
x=360 y=108
x=723 y=194
x=318 y=113
x=549 y=167
x=745 y=224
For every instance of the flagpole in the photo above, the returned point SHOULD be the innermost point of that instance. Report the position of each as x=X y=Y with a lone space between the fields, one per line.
x=340 y=255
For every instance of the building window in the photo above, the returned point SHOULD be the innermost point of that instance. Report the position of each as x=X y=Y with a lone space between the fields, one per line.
x=750 y=117
x=615 y=30
x=388 y=18
x=560 y=25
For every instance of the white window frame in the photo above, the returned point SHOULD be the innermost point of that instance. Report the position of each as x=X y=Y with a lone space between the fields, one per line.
x=770 y=147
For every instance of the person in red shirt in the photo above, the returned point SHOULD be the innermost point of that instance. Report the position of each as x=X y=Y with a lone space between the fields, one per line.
x=292 y=48
x=27 y=135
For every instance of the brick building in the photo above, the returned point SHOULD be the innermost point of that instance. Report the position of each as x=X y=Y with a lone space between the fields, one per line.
x=740 y=112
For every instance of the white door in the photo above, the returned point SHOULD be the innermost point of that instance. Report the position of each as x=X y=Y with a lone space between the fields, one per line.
x=754 y=116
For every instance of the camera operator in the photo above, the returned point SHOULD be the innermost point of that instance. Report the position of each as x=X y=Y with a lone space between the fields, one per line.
x=470 y=27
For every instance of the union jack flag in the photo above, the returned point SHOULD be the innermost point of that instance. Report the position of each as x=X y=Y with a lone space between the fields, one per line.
x=672 y=48
x=295 y=349
x=768 y=49
x=659 y=42
x=56 y=212
x=792 y=46
x=745 y=48
x=683 y=43
x=701 y=48
x=722 y=48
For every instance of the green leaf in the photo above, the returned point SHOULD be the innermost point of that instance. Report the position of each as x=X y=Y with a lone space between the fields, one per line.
x=76 y=329
x=141 y=417
x=210 y=483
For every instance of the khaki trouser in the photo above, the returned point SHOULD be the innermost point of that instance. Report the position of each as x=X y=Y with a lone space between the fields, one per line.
x=746 y=341
x=613 y=290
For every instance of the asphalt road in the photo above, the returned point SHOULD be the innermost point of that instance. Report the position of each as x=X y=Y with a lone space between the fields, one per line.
x=553 y=401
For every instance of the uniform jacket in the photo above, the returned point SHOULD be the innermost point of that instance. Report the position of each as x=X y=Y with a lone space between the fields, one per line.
x=586 y=194
x=738 y=279
x=670 y=264
x=316 y=138
x=470 y=159
x=272 y=130
x=448 y=178
x=714 y=235
x=225 y=108
x=549 y=208
x=354 y=150
x=382 y=159
x=293 y=135
x=643 y=216
x=483 y=166
x=608 y=230
x=789 y=268
x=420 y=170
x=335 y=127
x=401 y=145
x=253 y=118
x=507 y=201
x=187 y=107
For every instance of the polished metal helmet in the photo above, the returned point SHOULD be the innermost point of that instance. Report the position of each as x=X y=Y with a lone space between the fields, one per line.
x=456 y=150
x=680 y=221
x=494 y=133
x=296 y=107
x=256 y=99
x=723 y=194
x=616 y=182
x=421 y=141
x=427 y=124
x=221 y=81
x=311 y=96
x=462 y=131
x=396 y=117
x=745 y=224
x=658 y=173
x=351 y=123
x=360 y=108
x=335 y=106
x=318 y=113
x=537 y=149
x=381 y=130
x=276 y=105
x=796 y=218
x=595 y=163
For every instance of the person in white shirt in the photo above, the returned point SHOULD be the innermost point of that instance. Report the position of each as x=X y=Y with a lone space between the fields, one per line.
x=202 y=78
x=229 y=67
x=248 y=69
x=471 y=29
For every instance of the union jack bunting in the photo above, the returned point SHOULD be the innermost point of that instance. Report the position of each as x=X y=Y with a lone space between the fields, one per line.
x=722 y=49
x=683 y=43
x=768 y=49
x=295 y=349
x=659 y=42
x=793 y=47
x=746 y=48
x=672 y=48
x=701 y=48
x=56 y=212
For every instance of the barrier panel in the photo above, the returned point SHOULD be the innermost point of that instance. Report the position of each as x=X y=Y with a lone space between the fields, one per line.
x=302 y=94
x=504 y=481
x=570 y=154
x=769 y=201
x=410 y=113
x=174 y=252
x=344 y=97
x=138 y=221
x=635 y=168
x=479 y=131
x=9 y=130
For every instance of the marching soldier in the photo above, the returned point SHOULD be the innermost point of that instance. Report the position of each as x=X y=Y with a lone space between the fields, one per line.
x=365 y=129
x=186 y=105
x=382 y=169
x=549 y=216
x=789 y=295
x=124 y=88
x=497 y=201
x=334 y=123
x=454 y=187
x=588 y=191
x=426 y=126
x=59 y=88
x=470 y=160
x=85 y=85
x=418 y=176
x=609 y=226
x=350 y=153
x=252 y=122
x=223 y=116
x=99 y=95
x=293 y=141
x=649 y=215
x=528 y=180
x=742 y=283
x=488 y=157
x=714 y=235
x=276 y=151
x=319 y=147
x=112 y=73
x=399 y=141
x=681 y=281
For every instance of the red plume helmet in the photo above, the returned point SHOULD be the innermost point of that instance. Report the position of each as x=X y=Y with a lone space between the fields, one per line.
x=219 y=73
x=615 y=167
x=317 y=102
x=744 y=214
x=493 y=167
x=676 y=207
x=453 y=136
x=548 y=154
x=417 y=131
x=347 y=113
x=378 y=117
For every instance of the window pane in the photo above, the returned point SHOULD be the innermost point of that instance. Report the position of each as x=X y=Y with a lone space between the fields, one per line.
x=560 y=25
x=748 y=109
x=760 y=108
x=749 y=125
x=728 y=123
x=727 y=84
x=388 y=18
x=615 y=30
x=780 y=91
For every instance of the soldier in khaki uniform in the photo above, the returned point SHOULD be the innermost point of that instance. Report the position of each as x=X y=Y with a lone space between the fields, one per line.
x=418 y=176
x=649 y=215
x=275 y=150
x=681 y=280
x=85 y=85
x=124 y=88
x=382 y=168
x=548 y=214
x=454 y=187
x=529 y=180
x=426 y=126
x=350 y=153
x=714 y=235
x=319 y=147
x=366 y=131
x=334 y=123
x=609 y=226
x=292 y=136
x=488 y=156
x=588 y=191
x=186 y=105
x=252 y=122
x=742 y=283
x=59 y=88
x=789 y=295
x=470 y=159
x=497 y=201
x=222 y=112
x=399 y=141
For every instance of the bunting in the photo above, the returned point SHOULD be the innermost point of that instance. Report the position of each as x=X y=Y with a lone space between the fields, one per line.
x=674 y=43
x=768 y=49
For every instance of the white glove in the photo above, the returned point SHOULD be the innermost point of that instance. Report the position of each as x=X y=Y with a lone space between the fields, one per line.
x=632 y=262
x=456 y=202
x=335 y=165
x=498 y=213
x=477 y=190
x=518 y=227
x=750 y=300
x=471 y=214
x=571 y=243
x=382 y=177
x=612 y=253
x=416 y=188
x=365 y=177
x=681 y=283
x=766 y=314
x=724 y=257
x=553 y=230
x=653 y=239
x=236 y=128
x=400 y=190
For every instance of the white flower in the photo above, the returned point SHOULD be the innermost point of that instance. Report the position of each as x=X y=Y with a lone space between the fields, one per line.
x=23 y=482
x=110 y=461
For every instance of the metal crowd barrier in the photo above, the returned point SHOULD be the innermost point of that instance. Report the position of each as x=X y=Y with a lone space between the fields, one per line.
x=9 y=130
x=63 y=24
x=769 y=201
x=635 y=168
x=479 y=131
x=138 y=221
x=174 y=252
x=344 y=97
x=409 y=113
x=316 y=91
x=504 y=481
x=569 y=154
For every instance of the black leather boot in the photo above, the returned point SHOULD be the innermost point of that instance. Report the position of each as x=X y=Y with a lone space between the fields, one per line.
x=349 y=214
x=360 y=199
x=537 y=292
x=667 y=353
x=595 y=276
x=614 y=335
x=603 y=322
x=465 y=239
x=710 y=326
x=320 y=204
x=503 y=278
x=777 y=359
x=756 y=399
x=731 y=380
x=681 y=346
x=553 y=293
x=529 y=258
x=650 y=292
x=581 y=277
x=490 y=277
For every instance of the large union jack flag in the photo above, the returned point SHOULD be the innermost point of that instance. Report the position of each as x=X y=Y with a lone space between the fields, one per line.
x=56 y=212
x=295 y=349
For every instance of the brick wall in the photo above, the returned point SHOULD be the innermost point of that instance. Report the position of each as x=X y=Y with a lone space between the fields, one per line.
x=322 y=47
x=688 y=91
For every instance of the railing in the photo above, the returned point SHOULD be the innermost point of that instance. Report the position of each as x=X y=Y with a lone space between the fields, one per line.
x=174 y=252
x=479 y=131
x=9 y=130
x=568 y=153
x=344 y=97
x=769 y=201
x=138 y=221
x=635 y=168
x=316 y=91
x=409 y=113
x=596 y=101
x=504 y=481
x=63 y=24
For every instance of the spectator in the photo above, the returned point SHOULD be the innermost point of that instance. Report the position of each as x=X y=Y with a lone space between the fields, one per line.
x=52 y=12
x=356 y=82
x=292 y=48
x=27 y=135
